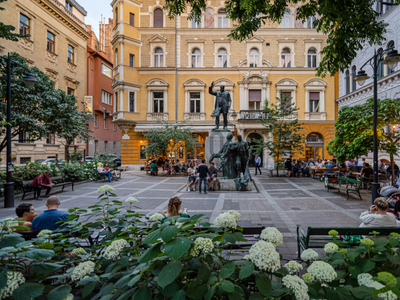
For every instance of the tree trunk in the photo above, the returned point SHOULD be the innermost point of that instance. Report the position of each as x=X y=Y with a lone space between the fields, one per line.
x=66 y=150
x=393 y=171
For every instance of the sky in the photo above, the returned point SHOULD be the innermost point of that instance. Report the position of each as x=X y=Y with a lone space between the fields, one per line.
x=96 y=8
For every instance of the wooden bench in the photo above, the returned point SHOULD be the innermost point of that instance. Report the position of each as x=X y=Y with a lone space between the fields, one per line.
x=318 y=237
x=348 y=185
x=321 y=172
x=27 y=188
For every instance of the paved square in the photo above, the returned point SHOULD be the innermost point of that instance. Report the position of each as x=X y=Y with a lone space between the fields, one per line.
x=280 y=202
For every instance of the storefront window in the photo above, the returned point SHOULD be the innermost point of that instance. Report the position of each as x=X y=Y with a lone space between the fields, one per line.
x=314 y=146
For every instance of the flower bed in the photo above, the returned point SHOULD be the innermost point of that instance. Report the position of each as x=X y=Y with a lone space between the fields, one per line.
x=173 y=261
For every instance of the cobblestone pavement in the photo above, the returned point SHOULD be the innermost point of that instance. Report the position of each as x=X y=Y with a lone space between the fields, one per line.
x=279 y=202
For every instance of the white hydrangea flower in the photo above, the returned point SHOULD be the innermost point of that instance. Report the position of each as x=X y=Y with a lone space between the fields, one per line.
x=246 y=257
x=131 y=200
x=293 y=266
x=272 y=235
x=82 y=270
x=297 y=286
x=69 y=297
x=202 y=246
x=227 y=220
x=79 y=250
x=105 y=188
x=115 y=248
x=322 y=271
x=309 y=254
x=236 y=214
x=14 y=280
x=264 y=255
x=156 y=217
x=331 y=248
x=367 y=280
x=43 y=232
x=5 y=226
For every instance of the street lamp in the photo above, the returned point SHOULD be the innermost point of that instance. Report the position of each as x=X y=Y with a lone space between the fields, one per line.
x=391 y=60
x=30 y=80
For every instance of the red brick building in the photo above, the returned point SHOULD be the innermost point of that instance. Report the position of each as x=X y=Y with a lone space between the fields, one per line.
x=107 y=136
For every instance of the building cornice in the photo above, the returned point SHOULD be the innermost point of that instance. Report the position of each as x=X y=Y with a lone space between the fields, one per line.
x=121 y=84
x=61 y=13
x=121 y=38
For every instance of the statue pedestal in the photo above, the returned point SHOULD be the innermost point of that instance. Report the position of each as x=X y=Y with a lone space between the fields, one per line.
x=214 y=143
x=229 y=185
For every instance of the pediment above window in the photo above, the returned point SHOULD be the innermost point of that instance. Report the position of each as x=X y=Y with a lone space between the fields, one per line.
x=194 y=82
x=255 y=39
x=315 y=82
x=286 y=82
x=157 y=82
x=157 y=39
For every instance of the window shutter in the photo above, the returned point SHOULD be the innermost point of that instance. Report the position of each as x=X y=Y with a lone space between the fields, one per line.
x=255 y=95
x=158 y=18
x=314 y=96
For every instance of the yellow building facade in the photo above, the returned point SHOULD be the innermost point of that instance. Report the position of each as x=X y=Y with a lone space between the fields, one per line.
x=57 y=46
x=279 y=58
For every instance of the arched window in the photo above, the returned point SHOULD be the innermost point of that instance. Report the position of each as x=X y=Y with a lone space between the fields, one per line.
x=390 y=45
x=312 y=58
x=314 y=146
x=311 y=22
x=222 y=60
x=116 y=15
x=209 y=18
x=158 y=18
x=159 y=58
x=347 y=81
x=286 y=20
x=381 y=67
x=195 y=24
x=196 y=58
x=116 y=57
x=222 y=19
x=254 y=57
x=286 y=58
x=353 y=75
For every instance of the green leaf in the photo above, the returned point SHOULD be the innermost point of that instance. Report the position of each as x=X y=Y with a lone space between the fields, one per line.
x=352 y=255
x=177 y=247
x=170 y=289
x=196 y=290
x=263 y=283
x=246 y=270
x=256 y=297
x=27 y=291
x=227 y=286
x=150 y=254
x=210 y=293
x=37 y=254
x=380 y=242
x=363 y=292
x=59 y=292
x=11 y=240
x=204 y=273
x=230 y=238
x=169 y=273
x=88 y=289
x=227 y=270
x=339 y=294
x=44 y=268
x=134 y=280
x=235 y=296
x=239 y=236
x=3 y=280
x=168 y=233
x=142 y=294
x=122 y=281
x=368 y=266
x=179 y=295
x=394 y=242
x=355 y=270
x=152 y=237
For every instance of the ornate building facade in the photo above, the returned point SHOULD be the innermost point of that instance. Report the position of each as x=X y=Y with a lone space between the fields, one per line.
x=57 y=46
x=279 y=58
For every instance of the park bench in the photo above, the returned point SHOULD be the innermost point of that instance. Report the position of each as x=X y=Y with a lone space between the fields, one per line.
x=318 y=173
x=57 y=180
x=348 y=185
x=104 y=177
x=318 y=237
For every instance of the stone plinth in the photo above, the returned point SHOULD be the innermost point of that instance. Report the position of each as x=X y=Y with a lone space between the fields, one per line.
x=225 y=185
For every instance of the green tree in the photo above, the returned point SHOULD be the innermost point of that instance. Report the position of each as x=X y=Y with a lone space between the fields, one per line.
x=29 y=109
x=66 y=121
x=6 y=31
x=281 y=121
x=348 y=24
x=354 y=130
x=168 y=138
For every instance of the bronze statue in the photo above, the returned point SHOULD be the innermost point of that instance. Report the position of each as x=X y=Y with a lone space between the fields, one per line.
x=222 y=105
x=227 y=159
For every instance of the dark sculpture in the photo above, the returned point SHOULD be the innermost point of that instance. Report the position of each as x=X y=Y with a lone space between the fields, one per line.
x=234 y=160
x=222 y=105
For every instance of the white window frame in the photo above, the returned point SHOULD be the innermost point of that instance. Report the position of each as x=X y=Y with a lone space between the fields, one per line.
x=158 y=99
x=129 y=101
x=106 y=70
x=286 y=21
x=312 y=55
x=197 y=58
x=223 y=21
x=254 y=59
x=286 y=58
x=195 y=100
x=106 y=97
x=222 y=55
x=196 y=25
x=157 y=58
x=310 y=22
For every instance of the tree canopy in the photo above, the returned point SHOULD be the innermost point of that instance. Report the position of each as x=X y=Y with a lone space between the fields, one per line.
x=348 y=24
x=354 y=129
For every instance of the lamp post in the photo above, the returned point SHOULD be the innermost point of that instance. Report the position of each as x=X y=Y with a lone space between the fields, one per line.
x=391 y=60
x=30 y=81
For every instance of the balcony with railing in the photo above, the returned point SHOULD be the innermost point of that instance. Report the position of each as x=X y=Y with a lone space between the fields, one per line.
x=195 y=116
x=252 y=114
x=153 y=116
x=315 y=116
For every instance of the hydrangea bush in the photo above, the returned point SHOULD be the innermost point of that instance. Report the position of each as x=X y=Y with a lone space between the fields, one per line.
x=111 y=252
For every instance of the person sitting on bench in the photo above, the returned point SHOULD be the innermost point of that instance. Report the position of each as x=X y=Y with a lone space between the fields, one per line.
x=103 y=172
x=178 y=168
x=154 y=168
x=113 y=172
x=376 y=216
x=27 y=212
x=40 y=182
x=49 y=218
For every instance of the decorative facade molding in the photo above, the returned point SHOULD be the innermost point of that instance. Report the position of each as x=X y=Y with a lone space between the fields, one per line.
x=157 y=82
x=158 y=38
x=194 y=82
x=71 y=67
x=25 y=43
x=51 y=57
x=286 y=82
x=53 y=75
x=71 y=83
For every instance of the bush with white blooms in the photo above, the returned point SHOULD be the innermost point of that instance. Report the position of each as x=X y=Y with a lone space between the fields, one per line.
x=111 y=252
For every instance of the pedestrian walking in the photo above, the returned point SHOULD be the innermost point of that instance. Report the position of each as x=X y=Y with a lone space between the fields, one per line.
x=258 y=163
x=203 y=171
